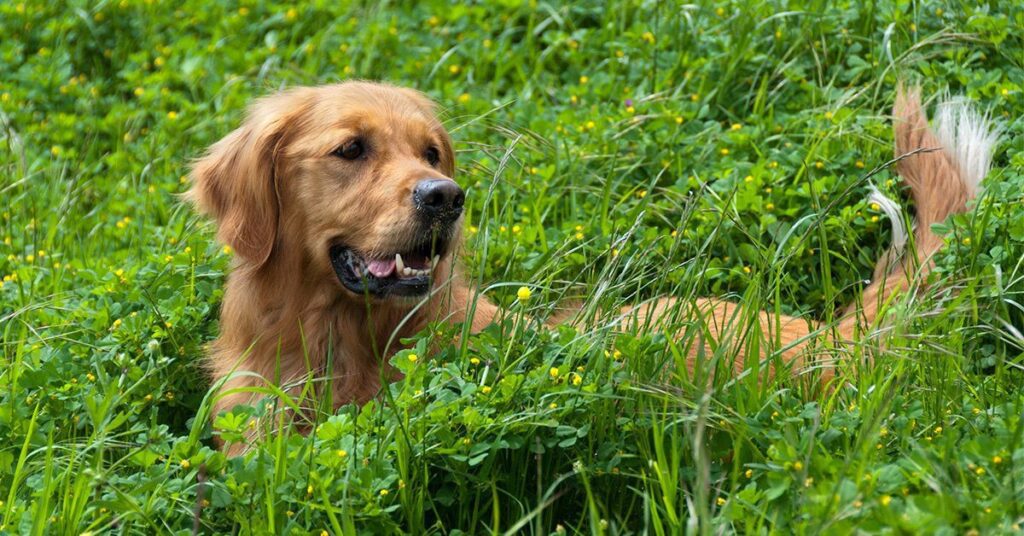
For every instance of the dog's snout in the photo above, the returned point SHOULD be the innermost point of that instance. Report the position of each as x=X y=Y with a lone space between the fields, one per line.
x=439 y=199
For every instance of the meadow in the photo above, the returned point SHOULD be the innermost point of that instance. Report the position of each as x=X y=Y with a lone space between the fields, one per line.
x=611 y=152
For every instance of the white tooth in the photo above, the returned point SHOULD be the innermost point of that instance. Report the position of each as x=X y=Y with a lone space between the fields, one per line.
x=408 y=271
x=399 y=265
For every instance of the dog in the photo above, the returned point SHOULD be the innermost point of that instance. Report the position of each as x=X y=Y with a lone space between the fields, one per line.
x=341 y=205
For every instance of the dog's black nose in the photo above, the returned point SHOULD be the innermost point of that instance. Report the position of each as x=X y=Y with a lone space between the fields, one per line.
x=439 y=199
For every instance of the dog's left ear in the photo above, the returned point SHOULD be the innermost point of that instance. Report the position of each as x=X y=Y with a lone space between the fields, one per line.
x=236 y=181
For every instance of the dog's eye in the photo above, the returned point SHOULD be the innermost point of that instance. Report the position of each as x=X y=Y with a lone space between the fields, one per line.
x=351 y=150
x=432 y=156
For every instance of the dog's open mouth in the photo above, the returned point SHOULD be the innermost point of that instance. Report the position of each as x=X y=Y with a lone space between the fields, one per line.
x=402 y=274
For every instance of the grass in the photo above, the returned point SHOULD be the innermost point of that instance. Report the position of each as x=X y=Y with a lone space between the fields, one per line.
x=611 y=153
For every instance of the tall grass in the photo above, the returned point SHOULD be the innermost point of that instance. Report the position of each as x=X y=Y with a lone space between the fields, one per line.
x=611 y=154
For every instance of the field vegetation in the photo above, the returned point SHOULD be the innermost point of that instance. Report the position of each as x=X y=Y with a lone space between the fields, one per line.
x=611 y=152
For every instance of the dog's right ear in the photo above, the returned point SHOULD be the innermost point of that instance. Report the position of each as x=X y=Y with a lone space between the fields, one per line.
x=236 y=181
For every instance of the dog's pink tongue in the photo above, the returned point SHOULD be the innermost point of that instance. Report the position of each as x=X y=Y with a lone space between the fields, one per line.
x=381 y=268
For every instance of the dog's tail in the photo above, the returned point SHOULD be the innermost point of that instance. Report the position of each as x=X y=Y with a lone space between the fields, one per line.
x=943 y=167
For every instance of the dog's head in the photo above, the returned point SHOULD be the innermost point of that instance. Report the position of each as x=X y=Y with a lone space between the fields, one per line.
x=356 y=178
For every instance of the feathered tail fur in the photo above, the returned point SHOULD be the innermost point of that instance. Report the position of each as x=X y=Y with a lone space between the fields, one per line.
x=943 y=166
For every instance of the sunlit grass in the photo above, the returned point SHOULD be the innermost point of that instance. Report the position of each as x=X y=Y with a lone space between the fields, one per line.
x=611 y=154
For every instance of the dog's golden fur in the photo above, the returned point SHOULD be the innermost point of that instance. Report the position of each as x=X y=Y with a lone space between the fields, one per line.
x=281 y=199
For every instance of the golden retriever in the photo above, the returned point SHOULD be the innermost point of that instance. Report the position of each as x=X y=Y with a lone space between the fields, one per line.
x=341 y=204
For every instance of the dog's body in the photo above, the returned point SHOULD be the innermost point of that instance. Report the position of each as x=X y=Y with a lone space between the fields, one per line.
x=340 y=205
